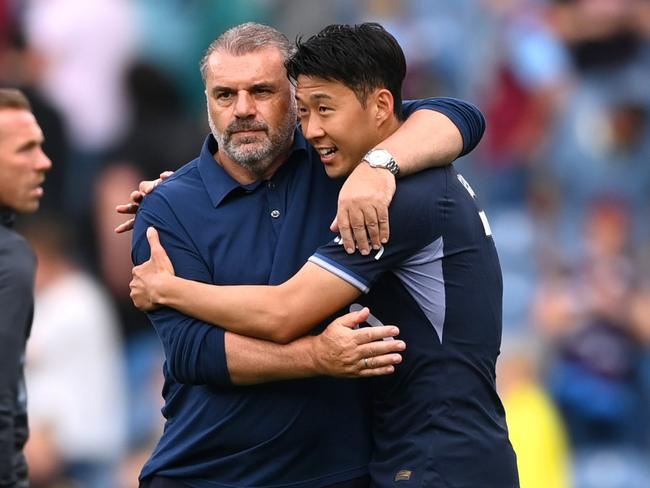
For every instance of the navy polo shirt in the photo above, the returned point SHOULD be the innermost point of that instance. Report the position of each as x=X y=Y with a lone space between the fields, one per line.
x=437 y=421
x=298 y=434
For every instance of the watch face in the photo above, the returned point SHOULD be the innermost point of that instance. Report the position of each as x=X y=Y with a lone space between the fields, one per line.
x=378 y=157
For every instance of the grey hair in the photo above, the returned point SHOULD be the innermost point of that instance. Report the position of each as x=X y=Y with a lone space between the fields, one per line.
x=247 y=38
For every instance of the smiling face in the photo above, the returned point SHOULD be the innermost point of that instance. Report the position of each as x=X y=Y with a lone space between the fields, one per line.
x=335 y=122
x=250 y=109
x=23 y=163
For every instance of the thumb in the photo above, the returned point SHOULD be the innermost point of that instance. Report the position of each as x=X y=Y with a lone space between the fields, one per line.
x=154 y=243
x=353 y=319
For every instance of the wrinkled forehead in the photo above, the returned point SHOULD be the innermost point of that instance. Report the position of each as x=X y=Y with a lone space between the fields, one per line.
x=265 y=64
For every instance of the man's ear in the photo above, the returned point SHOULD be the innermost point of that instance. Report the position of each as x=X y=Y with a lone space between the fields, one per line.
x=384 y=103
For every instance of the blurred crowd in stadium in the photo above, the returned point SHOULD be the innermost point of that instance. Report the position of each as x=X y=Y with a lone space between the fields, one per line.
x=563 y=173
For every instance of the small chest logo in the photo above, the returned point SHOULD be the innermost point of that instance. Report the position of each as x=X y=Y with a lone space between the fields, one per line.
x=403 y=475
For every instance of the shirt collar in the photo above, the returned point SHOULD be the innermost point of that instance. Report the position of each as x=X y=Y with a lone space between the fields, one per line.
x=218 y=183
x=7 y=216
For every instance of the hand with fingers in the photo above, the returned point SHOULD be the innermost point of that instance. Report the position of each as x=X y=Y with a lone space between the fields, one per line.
x=135 y=199
x=362 y=215
x=150 y=276
x=341 y=350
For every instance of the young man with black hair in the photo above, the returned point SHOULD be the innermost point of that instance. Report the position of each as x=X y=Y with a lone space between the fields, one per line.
x=437 y=421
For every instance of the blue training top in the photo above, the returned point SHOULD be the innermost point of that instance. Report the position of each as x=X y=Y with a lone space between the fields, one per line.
x=437 y=421
x=298 y=434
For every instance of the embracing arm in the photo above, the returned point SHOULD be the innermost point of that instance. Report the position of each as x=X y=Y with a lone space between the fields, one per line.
x=199 y=353
x=338 y=351
x=436 y=132
x=439 y=131
x=279 y=313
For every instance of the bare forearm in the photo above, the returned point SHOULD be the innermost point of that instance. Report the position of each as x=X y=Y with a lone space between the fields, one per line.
x=427 y=138
x=279 y=313
x=252 y=361
x=341 y=350
x=246 y=309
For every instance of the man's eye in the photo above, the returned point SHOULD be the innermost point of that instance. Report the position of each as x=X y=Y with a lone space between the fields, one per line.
x=224 y=96
x=323 y=109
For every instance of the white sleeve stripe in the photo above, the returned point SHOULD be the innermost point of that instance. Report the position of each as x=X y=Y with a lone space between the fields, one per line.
x=486 y=224
x=341 y=273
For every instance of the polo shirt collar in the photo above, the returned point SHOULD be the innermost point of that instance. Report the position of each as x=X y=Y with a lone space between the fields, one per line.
x=219 y=184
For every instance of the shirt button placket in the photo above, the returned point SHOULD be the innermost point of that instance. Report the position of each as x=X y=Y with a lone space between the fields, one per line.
x=274 y=202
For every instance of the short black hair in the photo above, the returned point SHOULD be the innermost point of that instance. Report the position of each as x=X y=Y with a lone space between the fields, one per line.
x=363 y=57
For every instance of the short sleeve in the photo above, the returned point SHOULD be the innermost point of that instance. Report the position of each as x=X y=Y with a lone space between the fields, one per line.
x=416 y=223
x=466 y=117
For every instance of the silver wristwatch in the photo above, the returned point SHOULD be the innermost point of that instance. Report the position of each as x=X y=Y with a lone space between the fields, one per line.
x=380 y=158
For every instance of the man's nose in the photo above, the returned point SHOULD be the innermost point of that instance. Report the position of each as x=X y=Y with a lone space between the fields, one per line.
x=244 y=105
x=44 y=163
x=312 y=129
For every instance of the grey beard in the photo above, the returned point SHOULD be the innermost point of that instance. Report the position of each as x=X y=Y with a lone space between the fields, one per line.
x=257 y=159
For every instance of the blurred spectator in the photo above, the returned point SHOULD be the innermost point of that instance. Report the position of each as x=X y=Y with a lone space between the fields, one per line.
x=602 y=34
x=162 y=134
x=87 y=47
x=536 y=430
x=74 y=372
x=162 y=131
x=586 y=312
x=522 y=100
x=22 y=66
x=602 y=145
x=143 y=351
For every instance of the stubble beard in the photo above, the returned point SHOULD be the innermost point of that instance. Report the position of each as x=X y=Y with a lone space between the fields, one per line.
x=257 y=153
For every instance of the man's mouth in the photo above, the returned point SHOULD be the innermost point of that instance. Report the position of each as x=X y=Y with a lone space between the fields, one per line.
x=326 y=152
x=244 y=128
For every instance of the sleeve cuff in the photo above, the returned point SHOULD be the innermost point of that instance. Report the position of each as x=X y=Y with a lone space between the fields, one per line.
x=343 y=273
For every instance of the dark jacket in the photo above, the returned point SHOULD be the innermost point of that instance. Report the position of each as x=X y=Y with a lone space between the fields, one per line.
x=17 y=269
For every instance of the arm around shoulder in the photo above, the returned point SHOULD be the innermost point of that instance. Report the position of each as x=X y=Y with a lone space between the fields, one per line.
x=439 y=131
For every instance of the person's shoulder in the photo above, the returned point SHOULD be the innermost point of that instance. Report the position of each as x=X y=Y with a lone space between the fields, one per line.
x=176 y=189
x=186 y=178
x=14 y=245
x=17 y=258
x=425 y=182
x=417 y=196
